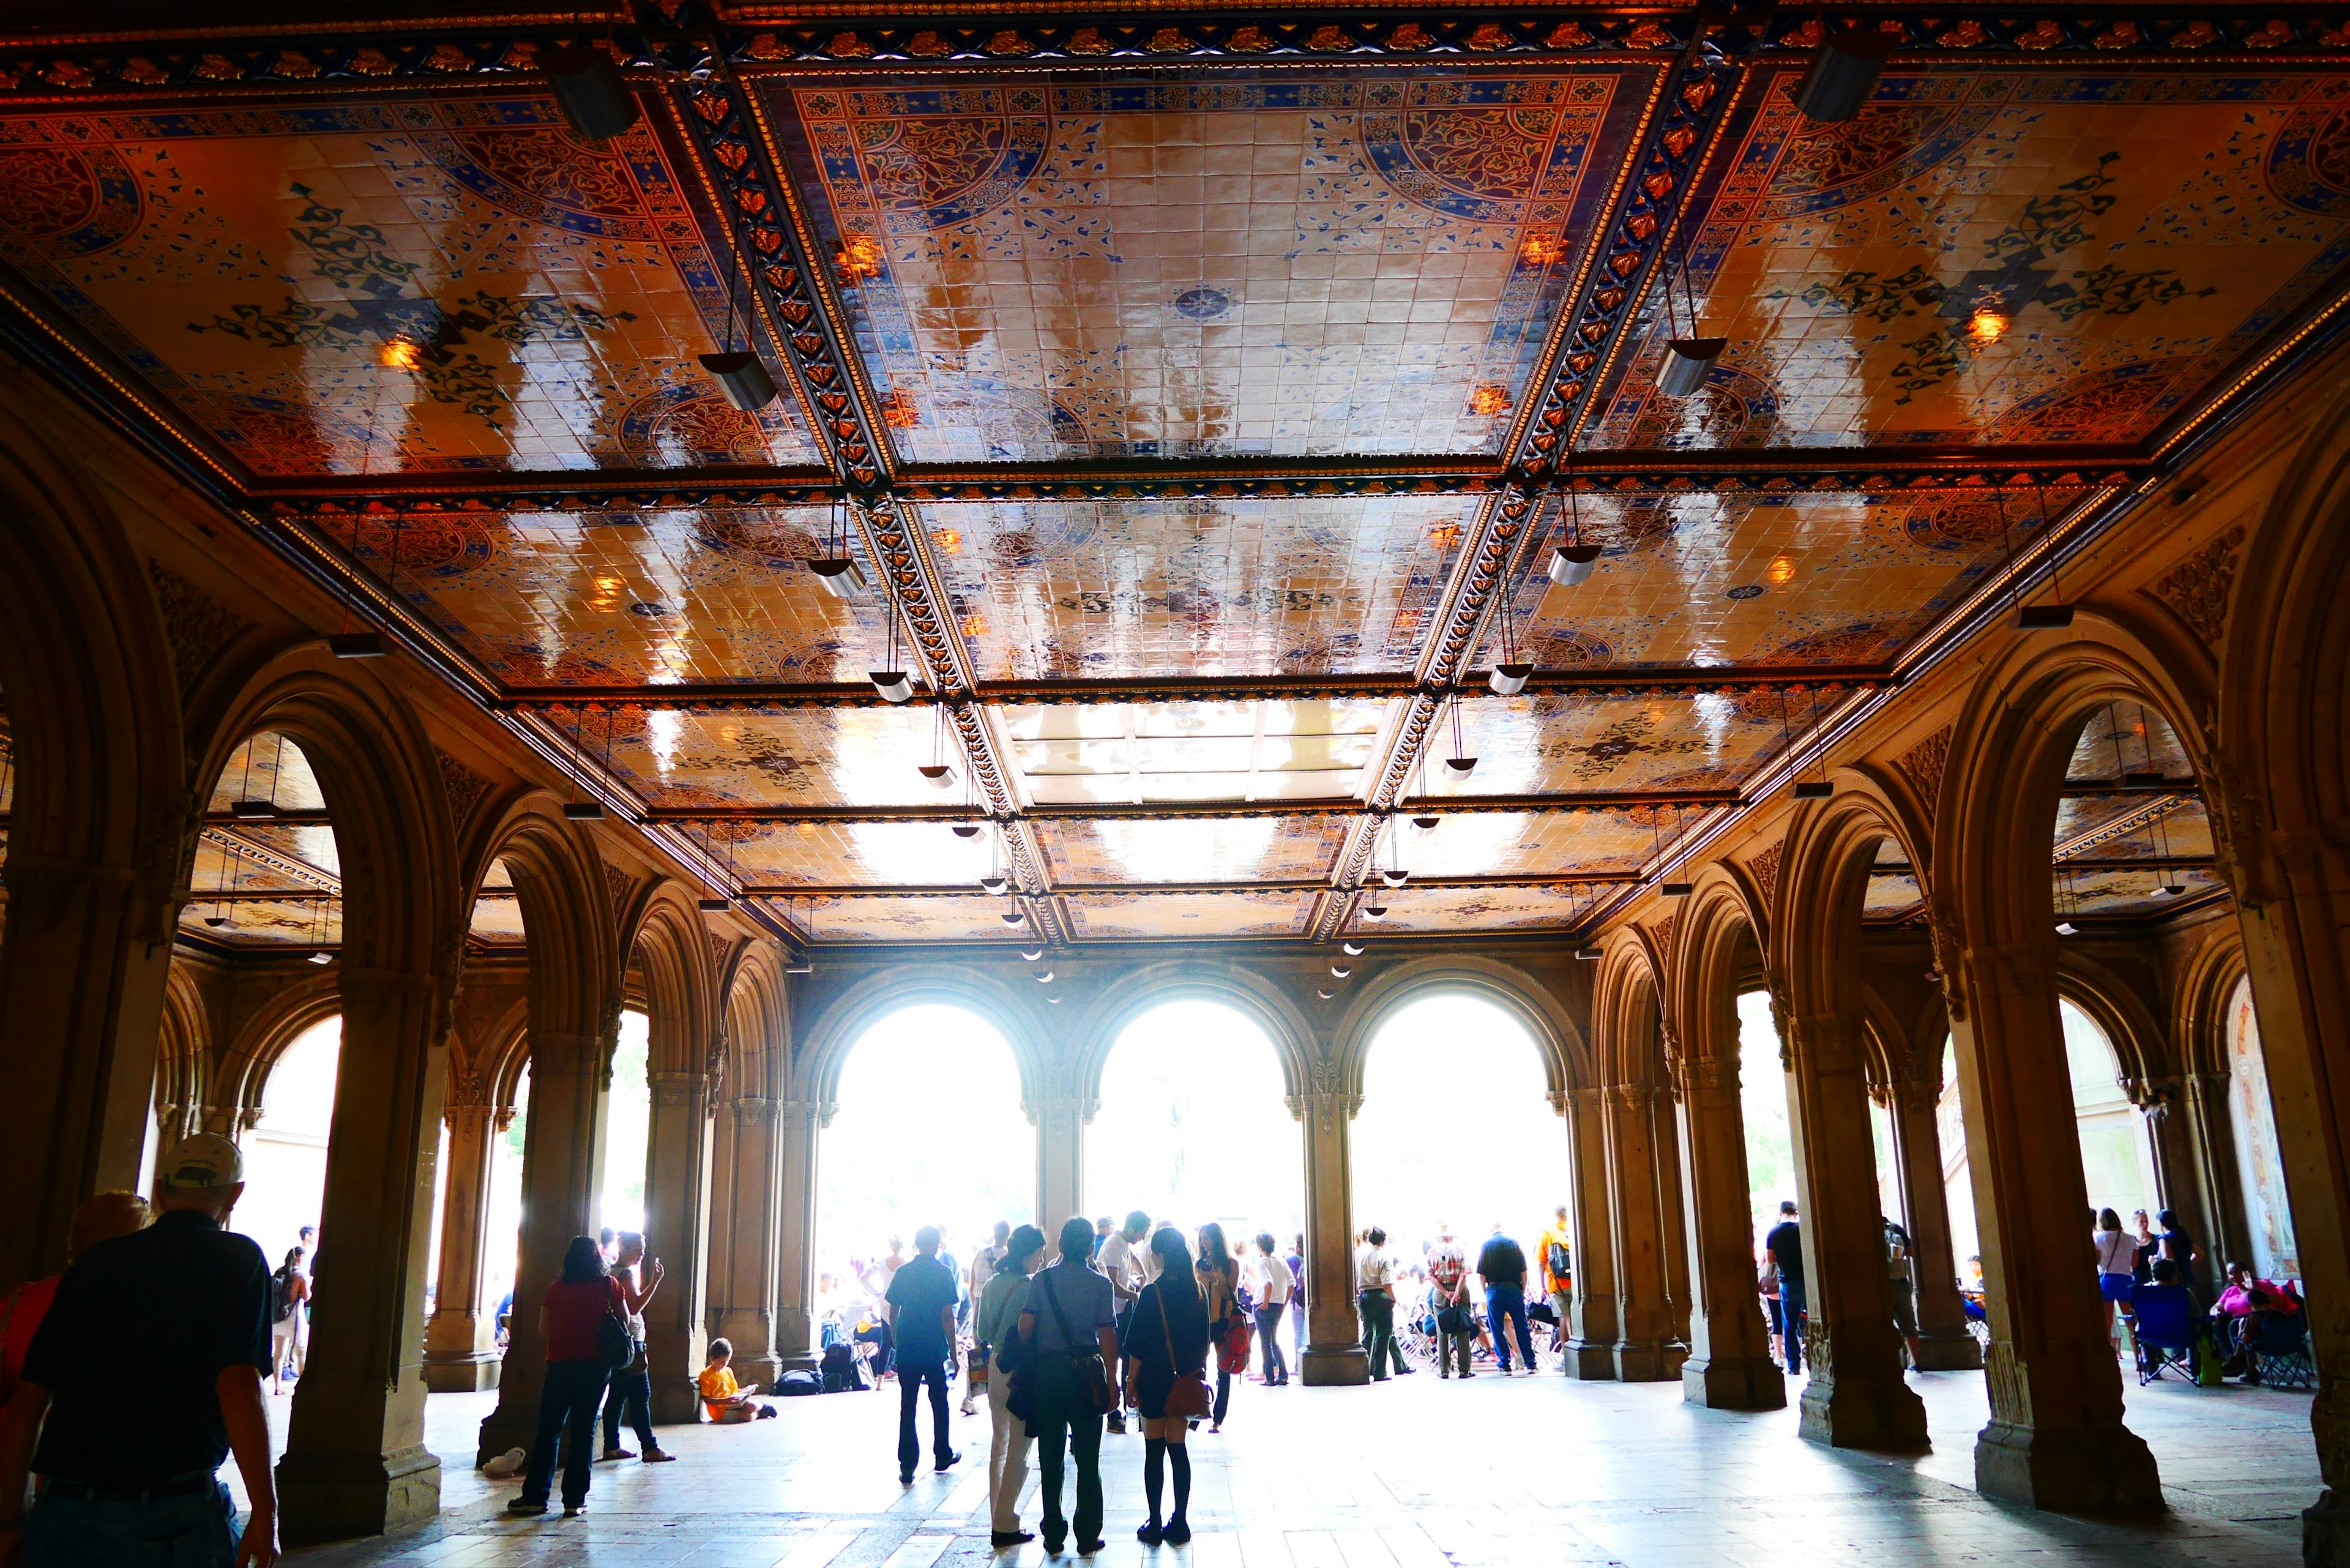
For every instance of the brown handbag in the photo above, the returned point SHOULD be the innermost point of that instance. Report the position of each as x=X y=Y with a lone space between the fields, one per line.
x=1189 y=1398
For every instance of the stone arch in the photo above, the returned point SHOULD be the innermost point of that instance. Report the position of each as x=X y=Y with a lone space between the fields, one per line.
x=2139 y=1048
x=1107 y=1018
x=2199 y=1017
x=758 y=1027
x=185 y=1060
x=1718 y=929
x=250 y=1056
x=672 y=953
x=569 y=927
x=502 y=1061
x=844 y=1019
x=1566 y=1053
x=1626 y=1012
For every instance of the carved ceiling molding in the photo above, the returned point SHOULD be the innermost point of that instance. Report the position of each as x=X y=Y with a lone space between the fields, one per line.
x=464 y=786
x=195 y=625
x=2195 y=589
x=1765 y=869
x=1923 y=765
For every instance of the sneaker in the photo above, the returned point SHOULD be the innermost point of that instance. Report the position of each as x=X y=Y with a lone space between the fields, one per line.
x=1052 y=1544
x=905 y=1478
x=1117 y=1426
x=658 y=1456
x=523 y=1505
x=948 y=1463
x=1466 y=1375
x=575 y=1511
x=1088 y=1548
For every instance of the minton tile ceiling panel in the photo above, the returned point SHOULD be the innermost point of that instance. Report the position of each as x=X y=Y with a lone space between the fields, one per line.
x=901 y=917
x=1192 y=850
x=1521 y=844
x=1197 y=585
x=268 y=767
x=1892 y=895
x=1137 y=752
x=778 y=757
x=1842 y=579
x=2135 y=894
x=497 y=921
x=392 y=285
x=1047 y=266
x=1179 y=916
x=2014 y=256
x=311 y=922
x=1572 y=743
x=1449 y=910
x=628 y=598
x=859 y=854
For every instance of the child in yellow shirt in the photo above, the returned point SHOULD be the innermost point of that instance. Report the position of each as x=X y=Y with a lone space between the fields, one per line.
x=725 y=1401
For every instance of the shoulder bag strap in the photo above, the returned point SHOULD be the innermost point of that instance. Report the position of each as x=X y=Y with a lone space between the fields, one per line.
x=1069 y=1341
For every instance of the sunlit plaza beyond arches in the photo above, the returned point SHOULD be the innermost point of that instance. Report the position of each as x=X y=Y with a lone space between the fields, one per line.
x=1173 y=784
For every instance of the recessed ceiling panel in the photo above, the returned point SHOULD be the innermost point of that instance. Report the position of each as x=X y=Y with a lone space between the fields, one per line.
x=902 y=917
x=268 y=767
x=1070 y=265
x=2135 y=894
x=497 y=921
x=1182 y=916
x=1571 y=743
x=1518 y=844
x=1197 y=585
x=769 y=756
x=1192 y=848
x=1452 y=910
x=1140 y=753
x=391 y=286
x=1892 y=895
x=869 y=853
x=290 y=922
x=628 y=598
x=2008 y=256
x=1708 y=580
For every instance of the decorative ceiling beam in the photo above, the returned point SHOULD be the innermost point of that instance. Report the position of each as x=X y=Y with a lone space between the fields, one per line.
x=1134 y=889
x=1177 y=811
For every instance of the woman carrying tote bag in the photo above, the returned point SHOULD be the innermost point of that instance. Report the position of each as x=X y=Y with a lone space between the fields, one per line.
x=1166 y=1379
x=1064 y=1384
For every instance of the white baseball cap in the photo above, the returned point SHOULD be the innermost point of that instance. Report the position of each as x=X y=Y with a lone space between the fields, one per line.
x=201 y=1160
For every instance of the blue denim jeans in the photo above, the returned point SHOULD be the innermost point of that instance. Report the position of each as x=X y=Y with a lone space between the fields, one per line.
x=1506 y=1305
x=198 y=1530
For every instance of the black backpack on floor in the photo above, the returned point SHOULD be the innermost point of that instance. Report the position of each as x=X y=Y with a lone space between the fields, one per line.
x=841 y=1374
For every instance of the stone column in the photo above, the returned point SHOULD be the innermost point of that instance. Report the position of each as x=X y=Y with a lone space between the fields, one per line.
x=562 y=1175
x=1943 y=1343
x=1672 y=1224
x=355 y=1462
x=1060 y=1123
x=746 y=1234
x=1644 y=1316
x=1857 y=1396
x=2200 y=1122
x=2056 y=1439
x=677 y=1221
x=1729 y=1365
x=1592 y=1335
x=460 y=1343
x=82 y=974
x=800 y=1126
x=1333 y=1346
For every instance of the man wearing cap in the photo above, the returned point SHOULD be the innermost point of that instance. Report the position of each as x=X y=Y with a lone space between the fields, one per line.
x=136 y=1481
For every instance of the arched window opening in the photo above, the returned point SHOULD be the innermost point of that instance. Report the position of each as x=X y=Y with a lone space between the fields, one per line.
x=1957 y=1180
x=1457 y=1129
x=1193 y=1126
x=2116 y=1155
x=505 y=1203
x=2268 y=1215
x=285 y=1152
x=627 y=1127
x=1763 y=1104
x=929 y=1132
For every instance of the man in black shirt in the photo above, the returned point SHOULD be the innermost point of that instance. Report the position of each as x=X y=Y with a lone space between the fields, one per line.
x=1785 y=1246
x=1501 y=1263
x=133 y=1479
x=924 y=1292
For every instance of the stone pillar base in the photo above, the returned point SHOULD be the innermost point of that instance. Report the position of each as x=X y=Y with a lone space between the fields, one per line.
x=462 y=1371
x=1590 y=1362
x=1343 y=1366
x=1652 y=1362
x=2103 y=1470
x=798 y=1361
x=1849 y=1413
x=503 y=1429
x=2325 y=1531
x=676 y=1402
x=1956 y=1352
x=333 y=1497
x=1734 y=1383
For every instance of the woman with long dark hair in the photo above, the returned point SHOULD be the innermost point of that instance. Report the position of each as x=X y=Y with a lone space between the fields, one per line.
x=571 y=1320
x=1219 y=1280
x=1167 y=1338
x=1068 y=1319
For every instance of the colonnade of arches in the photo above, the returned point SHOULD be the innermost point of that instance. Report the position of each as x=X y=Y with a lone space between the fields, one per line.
x=130 y=685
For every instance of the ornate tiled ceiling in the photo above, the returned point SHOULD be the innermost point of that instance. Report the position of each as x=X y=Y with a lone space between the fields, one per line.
x=1193 y=393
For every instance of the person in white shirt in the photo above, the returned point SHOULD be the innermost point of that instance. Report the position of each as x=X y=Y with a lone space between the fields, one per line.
x=983 y=1264
x=1121 y=1261
x=1269 y=1287
x=1375 y=1303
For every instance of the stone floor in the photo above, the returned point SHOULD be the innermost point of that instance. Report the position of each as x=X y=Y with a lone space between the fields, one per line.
x=1412 y=1474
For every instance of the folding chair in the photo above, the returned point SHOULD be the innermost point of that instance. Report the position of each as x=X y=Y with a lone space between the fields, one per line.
x=2165 y=1316
x=2283 y=1347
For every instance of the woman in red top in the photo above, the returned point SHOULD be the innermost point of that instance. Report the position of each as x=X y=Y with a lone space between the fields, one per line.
x=99 y=1219
x=571 y=1318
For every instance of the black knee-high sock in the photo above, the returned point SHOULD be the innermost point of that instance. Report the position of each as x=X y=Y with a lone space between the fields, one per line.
x=1154 y=1475
x=1181 y=1456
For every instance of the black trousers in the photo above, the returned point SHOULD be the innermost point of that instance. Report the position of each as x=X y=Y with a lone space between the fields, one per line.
x=632 y=1393
x=1062 y=1430
x=567 y=1420
x=911 y=1377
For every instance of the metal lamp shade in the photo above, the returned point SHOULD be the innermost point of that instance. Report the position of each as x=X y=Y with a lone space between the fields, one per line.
x=1688 y=361
x=938 y=775
x=357 y=645
x=1459 y=767
x=714 y=906
x=1571 y=564
x=966 y=830
x=743 y=377
x=1015 y=917
x=1815 y=789
x=596 y=103
x=1843 y=75
x=995 y=884
x=835 y=575
x=1509 y=679
x=583 y=811
x=1678 y=890
x=894 y=685
x=1375 y=911
x=1394 y=878
x=2044 y=618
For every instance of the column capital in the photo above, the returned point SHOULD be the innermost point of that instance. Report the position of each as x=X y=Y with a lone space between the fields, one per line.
x=1635 y=1096
x=557 y=1050
x=1326 y=1106
x=1710 y=1074
x=1084 y=1108
x=678 y=1088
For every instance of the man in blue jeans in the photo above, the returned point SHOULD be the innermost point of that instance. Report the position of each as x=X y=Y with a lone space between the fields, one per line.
x=1503 y=1264
x=1785 y=1246
x=924 y=1291
x=134 y=1479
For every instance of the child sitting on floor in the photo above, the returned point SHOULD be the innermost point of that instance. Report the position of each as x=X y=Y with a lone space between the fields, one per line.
x=721 y=1397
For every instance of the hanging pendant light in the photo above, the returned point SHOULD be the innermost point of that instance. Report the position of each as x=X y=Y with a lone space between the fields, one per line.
x=965 y=830
x=1459 y=767
x=1688 y=362
x=938 y=775
x=1032 y=956
x=1843 y=75
x=2044 y=617
x=893 y=684
x=1395 y=875
x=596 y=103
x=258 y=810
x=714 y=906
x=1046 y=978
x=994 y=882
x=1374 y=911
x=1326 y=995
x=1352 y=949
x=739 y=372
x=1509 y=679
x=835 y=575
x=1813 y=789
x=1588 y=954
x=1340 y=971
x=356 y=645
x=583 y=810
x=1426 y=823
x=1014 y=916
x=1571 y=563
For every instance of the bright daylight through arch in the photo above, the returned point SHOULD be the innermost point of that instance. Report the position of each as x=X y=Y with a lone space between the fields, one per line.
x=1456 y=1127
x=929 y=1132
x=1193 y=1125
